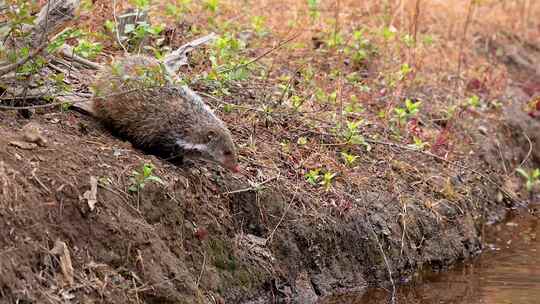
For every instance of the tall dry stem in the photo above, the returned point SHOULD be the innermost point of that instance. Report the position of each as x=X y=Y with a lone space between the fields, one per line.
x=468 y=19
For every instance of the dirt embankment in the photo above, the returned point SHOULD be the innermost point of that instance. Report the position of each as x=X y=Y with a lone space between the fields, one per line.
x=205 y=236
x=188 y=242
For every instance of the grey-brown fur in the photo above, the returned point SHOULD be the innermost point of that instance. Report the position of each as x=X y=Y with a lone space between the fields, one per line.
x=135 y=100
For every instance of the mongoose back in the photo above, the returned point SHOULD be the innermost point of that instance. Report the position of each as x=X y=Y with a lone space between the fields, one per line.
x=134 y=99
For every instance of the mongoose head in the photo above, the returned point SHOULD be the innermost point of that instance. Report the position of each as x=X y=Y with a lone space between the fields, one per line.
x=215 y=145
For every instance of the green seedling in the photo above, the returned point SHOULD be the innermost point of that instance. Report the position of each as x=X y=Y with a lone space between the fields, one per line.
x=404 y=70
x=532 y=178
x=258 y=25
x=351 y=134
x=313 y=176
x=313 y=6
x=349 y=159
x=327 y=180
x=418 y=144
x=141 y=4
x=228 y=107
x=140 y=178
x=177 y=8
x=360 y=49
x=211 y=5
x=354 y=107
x=88 y=49
x=473 y=101
x=296 y=102
x=409 y=111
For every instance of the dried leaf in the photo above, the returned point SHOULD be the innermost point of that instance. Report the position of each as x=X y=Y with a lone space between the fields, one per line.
x=91 y=195
x=62 y=252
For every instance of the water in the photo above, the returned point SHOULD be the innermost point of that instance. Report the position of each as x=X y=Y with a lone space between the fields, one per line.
x=507 y=272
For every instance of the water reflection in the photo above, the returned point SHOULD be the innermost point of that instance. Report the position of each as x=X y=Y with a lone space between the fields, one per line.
x=508 y=273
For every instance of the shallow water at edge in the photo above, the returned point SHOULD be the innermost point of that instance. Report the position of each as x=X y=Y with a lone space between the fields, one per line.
x=507 y=272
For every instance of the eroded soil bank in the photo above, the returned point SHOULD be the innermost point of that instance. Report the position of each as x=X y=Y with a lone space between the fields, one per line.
x=190 y=241
x=206 y=236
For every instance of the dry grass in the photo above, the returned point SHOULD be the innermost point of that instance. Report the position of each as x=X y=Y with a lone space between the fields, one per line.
x=444 y=60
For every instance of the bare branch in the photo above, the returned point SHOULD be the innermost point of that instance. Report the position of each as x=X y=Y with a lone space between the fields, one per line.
x=116 y=27
x=67 y=51
x=277 y=47
x=53 y=16
x=178 y=58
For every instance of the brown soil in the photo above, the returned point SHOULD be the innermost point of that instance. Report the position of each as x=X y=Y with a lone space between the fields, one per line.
x=263 y=236
x=187 y=242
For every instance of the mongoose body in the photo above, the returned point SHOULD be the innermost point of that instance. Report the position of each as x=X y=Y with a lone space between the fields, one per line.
x=135 y=100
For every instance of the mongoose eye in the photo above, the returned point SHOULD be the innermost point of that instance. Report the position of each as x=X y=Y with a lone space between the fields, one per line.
x=227 y=153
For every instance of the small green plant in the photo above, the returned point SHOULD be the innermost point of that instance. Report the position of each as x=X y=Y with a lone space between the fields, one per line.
x=388 y=33
x=351 y=134
x=211 y=5
x=228 y=107
x=313 y=6
x=88 y=49
x=428 y=40
x=258 y=25
x=327 y=180
x=532 y=178
x=418 y=144
x=361 y=49
x=349 y=159
x=473 y=101
x=322 y=97
x=228 y=64
x=354 y=107
x=137 y=33
x=140 y=178
x=313 y=176
x=141 y=4
x=316 y=177
x=296 y=102
x=404 y=70
x=285 y=146
x=408 y=40
x=334 y=40
x=409 y=111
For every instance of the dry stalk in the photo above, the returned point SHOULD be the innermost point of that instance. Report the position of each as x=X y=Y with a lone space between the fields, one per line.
x=393 y=299
x=116 y=28
x=277 y=47
x=414 y=29
x=202 y=270
x=468 y=19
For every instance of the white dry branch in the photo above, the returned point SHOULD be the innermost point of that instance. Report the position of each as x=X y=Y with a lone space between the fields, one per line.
x=52 y=17
x=175 y=60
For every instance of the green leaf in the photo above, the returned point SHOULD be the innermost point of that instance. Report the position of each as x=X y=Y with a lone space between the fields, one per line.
x=522 y=172
x=155 y=179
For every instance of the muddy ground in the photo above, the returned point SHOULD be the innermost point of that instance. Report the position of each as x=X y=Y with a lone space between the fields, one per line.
x=206 y=236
